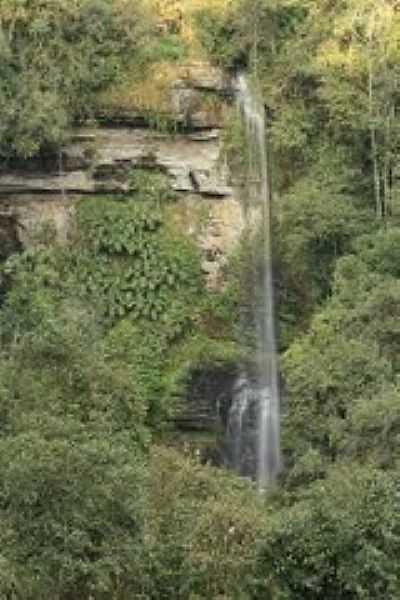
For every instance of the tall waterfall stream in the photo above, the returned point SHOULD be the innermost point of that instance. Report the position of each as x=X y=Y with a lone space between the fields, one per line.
x=254 y=417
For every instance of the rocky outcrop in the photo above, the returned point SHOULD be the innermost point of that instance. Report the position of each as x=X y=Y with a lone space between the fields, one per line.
x=209 y=398
x=189 y=97
x=217 y=225
x=29 y=212
x=9 y=234
x=103 y=160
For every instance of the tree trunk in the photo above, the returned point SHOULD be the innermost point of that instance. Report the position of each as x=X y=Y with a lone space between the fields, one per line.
x=374 y=146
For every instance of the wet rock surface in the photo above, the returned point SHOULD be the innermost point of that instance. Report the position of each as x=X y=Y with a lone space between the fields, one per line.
x=209 y=397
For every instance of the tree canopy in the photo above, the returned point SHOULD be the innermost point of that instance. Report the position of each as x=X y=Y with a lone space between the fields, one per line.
x=55 y=57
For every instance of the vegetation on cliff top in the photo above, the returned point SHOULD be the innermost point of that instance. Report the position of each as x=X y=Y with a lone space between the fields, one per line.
x=62 y=63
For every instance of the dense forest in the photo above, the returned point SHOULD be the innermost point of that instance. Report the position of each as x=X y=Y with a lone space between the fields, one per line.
x=100 y=336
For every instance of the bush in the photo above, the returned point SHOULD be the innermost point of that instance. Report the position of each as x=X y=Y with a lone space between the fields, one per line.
x=202 y=530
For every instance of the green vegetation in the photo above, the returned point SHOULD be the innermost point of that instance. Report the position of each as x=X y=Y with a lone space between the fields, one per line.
x=58 y=57
x=99 y=336
x=98 y=339
x=55 y=57
x=340 y=540
x=329 y=75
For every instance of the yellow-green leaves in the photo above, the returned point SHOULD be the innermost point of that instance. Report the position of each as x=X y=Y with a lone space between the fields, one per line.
x=56 y=56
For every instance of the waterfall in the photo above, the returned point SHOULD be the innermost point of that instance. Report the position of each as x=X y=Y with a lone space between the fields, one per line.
x=254 y=417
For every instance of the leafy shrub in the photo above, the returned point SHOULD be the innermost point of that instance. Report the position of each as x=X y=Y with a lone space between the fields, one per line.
x=203 y=525
x=148 y=185
x=381 y=251
x=139 y=264
x=217 y=35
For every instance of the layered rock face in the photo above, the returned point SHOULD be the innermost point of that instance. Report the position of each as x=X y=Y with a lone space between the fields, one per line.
x=102 y=160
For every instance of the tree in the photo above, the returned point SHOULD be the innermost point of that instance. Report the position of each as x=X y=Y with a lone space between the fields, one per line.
x=73 y=462
x=202 y=530
x=55 y=57
x=339 y=542
x=344 y=369
x=361 y=52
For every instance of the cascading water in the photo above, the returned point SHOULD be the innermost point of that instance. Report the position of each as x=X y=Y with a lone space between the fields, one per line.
x=254 y=418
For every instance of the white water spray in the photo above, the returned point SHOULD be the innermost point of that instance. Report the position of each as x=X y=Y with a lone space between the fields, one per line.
x=254 y=418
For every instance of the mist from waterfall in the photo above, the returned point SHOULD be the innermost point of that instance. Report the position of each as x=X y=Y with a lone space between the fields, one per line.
x=254 y=417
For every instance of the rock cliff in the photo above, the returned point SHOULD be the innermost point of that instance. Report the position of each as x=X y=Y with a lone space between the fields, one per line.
x=102 y=160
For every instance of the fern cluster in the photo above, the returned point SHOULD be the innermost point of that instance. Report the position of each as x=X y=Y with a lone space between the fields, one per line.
x=132 y=260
